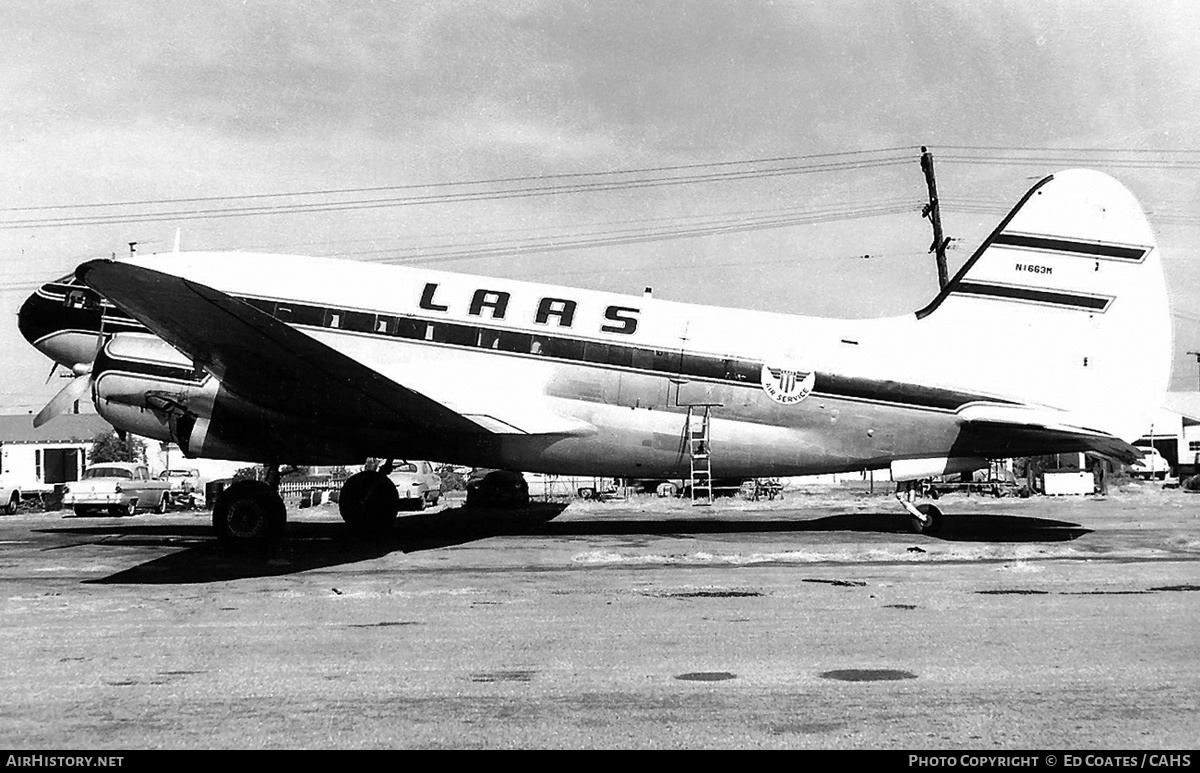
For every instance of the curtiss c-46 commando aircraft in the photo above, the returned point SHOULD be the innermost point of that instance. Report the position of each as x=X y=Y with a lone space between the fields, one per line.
x=287 y=359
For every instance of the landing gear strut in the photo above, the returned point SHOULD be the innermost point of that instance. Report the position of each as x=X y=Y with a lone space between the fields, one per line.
x=250 y=513
x=926 y=518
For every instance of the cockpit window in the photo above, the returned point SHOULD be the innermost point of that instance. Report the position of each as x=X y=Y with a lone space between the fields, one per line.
x=79 y=299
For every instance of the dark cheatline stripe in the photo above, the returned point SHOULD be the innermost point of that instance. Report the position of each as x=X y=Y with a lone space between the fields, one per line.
x=915 y=395
x=1087 y=302
x=1091 y=249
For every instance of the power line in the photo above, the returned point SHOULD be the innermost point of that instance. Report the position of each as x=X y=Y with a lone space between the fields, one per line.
x=642 y=238
x=468 y=183
x=1026 y=149
x=1041 y=161
x=515 y=193
x=705 y=226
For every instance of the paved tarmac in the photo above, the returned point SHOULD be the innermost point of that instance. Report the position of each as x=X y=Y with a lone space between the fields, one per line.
x=811 y=622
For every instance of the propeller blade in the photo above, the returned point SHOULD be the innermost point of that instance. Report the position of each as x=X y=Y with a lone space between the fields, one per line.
x=61 y=401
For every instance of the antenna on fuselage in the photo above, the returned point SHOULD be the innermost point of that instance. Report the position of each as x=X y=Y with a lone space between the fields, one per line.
x=132 y=248
x=178 y=231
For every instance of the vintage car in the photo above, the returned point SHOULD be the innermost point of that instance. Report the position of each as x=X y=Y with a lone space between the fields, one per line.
x=10 y=495
x=1151 y=465
x=121 y=488
x=417 y=483
x=185 y=485
x=506 y=489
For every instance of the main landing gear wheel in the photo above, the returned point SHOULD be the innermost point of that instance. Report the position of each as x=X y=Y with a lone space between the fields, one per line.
x=368 y=502
x=925 y=518
x=930 y=523
x=248 y=514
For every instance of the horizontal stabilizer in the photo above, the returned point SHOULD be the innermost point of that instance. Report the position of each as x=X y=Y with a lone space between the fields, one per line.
x=1046 y=427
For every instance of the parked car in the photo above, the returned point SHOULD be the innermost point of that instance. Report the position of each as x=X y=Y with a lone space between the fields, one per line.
x=10 y=495
x=417 y=483
x=497 y=488
x=1151 y=465
x=185 y=486
x=121 y=488
x=568 y=486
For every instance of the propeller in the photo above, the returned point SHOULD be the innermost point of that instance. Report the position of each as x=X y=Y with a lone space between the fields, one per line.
x=78 y=386
x=63 y=400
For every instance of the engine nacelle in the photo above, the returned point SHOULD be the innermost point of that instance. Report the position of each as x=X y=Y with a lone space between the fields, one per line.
x=143 y=385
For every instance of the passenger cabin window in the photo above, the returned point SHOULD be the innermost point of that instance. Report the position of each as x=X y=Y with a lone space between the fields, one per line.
x=359 y=321
x=621 y=356
x=702 y=367
x=413 y=328
x=514 y=342
x=462 y=335
x=489 y=339
x=565 y=348
x=308 y=315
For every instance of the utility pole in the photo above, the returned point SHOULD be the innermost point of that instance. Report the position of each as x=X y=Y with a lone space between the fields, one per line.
x=934 y=214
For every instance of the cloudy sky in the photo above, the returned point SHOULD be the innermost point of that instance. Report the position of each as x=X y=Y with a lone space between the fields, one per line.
x=734 y=153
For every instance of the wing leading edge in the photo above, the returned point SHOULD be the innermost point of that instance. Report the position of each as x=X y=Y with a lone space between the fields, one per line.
x=271 y=363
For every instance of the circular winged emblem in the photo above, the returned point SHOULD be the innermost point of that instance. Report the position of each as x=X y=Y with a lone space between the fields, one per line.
x=787 y=386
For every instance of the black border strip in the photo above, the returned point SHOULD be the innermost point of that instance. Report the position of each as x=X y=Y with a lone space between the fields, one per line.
x=1008 y=292
x=1090 y=249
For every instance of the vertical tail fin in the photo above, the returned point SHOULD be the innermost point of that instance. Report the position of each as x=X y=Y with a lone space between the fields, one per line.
x=1065 y=305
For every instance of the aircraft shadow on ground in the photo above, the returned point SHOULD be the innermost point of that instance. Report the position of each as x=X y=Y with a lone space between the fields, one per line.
x=309 y=545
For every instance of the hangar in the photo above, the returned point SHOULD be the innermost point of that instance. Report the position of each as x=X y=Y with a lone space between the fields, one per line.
x=38 y=458
x=1176 y=432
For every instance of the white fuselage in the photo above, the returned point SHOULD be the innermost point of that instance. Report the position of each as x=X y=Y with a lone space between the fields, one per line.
x=628 y=366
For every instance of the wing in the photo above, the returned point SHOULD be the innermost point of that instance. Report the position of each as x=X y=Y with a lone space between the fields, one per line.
x=1028 y=429
x=271 y=363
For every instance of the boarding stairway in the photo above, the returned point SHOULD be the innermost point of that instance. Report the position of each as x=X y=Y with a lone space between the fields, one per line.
x=699 y=451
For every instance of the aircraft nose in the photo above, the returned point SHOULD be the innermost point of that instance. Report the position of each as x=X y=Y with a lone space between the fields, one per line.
x=62 y=322
x=39 y=317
